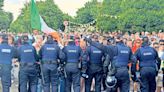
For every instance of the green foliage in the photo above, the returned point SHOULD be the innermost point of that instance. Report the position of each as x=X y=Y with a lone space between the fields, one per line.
x=5 y=18
x=125 y=15
x=51 y=14
x=87 y=13
x=110 y=15
x=1 y=3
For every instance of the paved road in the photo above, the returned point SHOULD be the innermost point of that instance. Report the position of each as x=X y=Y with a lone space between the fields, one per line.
x=13 y=88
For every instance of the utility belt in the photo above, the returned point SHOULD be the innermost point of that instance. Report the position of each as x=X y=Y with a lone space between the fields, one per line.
x=79 y=63
x=122 y=67
x=95 y=64
x=49 y=62
x=27 y=63
x=148 y=67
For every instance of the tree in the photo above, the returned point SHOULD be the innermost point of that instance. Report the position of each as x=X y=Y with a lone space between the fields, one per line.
x=5 y=18
x=87 y=13
x=51 y=14
x=1 y=3
x=125 y=15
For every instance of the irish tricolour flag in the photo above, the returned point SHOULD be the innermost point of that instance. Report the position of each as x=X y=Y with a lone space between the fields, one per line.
x=37 y=22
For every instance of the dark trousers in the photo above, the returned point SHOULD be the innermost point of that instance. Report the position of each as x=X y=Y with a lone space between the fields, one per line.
x=148 y=75
x=28 y=76
x=94 y=71
x=73 y=77
x=123 y=81
x=50 y=77
x=5 y=74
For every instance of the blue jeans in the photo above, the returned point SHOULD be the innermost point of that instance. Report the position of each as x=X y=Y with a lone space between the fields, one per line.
x=50 y=77
x=62 y=83
x=94 y=71
x=5 y=74
x=73 y=77
x=148 y=75
x=28 y=75
x=39 y=86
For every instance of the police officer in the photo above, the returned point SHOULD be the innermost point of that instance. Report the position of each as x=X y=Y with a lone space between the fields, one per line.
x=49 y=54
x=148 y=58
x=72 y=54
x=6 y=54
x=119 y=56
x=95 y=66
x=27 y=57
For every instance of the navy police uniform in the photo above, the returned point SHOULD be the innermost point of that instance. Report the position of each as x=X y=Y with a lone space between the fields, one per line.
x=49 y=54
x=147 y=57
x=122 y=55
x=73 y=54
x=119 y=56
x=27 y=57
x=6 y=54
x=95 y=67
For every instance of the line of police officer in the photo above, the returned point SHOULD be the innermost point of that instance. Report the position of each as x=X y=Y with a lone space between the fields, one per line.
x=96 y=61
x=116 y=68
x=48 y=60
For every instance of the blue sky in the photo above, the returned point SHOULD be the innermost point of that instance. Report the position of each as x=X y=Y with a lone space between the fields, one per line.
x=67 y=6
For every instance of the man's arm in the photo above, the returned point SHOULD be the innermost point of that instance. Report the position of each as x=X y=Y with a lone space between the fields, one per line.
x=97 y=45
x=158 y=60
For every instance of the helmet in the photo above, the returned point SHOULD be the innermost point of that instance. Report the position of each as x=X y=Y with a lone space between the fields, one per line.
x=110 y=81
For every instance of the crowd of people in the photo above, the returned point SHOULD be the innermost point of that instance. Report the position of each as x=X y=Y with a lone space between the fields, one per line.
x=83 y=61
